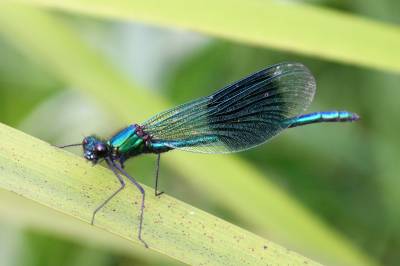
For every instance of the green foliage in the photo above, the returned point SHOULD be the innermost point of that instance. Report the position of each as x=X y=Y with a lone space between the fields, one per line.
x=282 y=25
x=346 y=173
x=15 y=77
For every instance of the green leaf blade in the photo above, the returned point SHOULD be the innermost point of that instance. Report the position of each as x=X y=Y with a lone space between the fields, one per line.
x=286 y=26
x=69 y=184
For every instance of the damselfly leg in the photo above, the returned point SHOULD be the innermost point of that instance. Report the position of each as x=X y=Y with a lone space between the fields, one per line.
x=140 y=188
x=122 y=182
x=156 y=192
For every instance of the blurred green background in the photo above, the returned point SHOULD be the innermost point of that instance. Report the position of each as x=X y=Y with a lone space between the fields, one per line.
x=346 y=174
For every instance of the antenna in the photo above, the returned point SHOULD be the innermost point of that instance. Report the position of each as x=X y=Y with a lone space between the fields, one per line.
x=69 y=145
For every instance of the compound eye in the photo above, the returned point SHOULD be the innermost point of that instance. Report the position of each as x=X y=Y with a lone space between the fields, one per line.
x=84 y=141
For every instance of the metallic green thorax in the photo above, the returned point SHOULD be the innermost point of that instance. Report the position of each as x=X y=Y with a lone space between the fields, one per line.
x=127 y=143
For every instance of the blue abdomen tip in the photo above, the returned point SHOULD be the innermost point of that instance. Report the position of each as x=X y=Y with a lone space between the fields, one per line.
x=320 y=117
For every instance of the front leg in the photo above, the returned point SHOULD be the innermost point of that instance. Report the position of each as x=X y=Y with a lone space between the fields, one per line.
x=121 y=181
x=140 y=188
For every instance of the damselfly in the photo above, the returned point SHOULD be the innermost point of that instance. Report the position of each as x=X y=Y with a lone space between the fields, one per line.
x=240 y=116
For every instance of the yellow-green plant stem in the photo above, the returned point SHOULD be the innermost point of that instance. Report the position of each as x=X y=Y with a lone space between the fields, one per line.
x=26 y=214
x=235 y=184
x=282 y=25
x=69 y=184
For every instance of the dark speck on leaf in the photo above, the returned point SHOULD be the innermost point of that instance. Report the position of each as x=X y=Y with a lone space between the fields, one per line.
x=265 y=247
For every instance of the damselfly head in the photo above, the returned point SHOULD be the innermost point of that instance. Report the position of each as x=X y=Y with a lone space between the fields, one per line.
x=94 y=148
